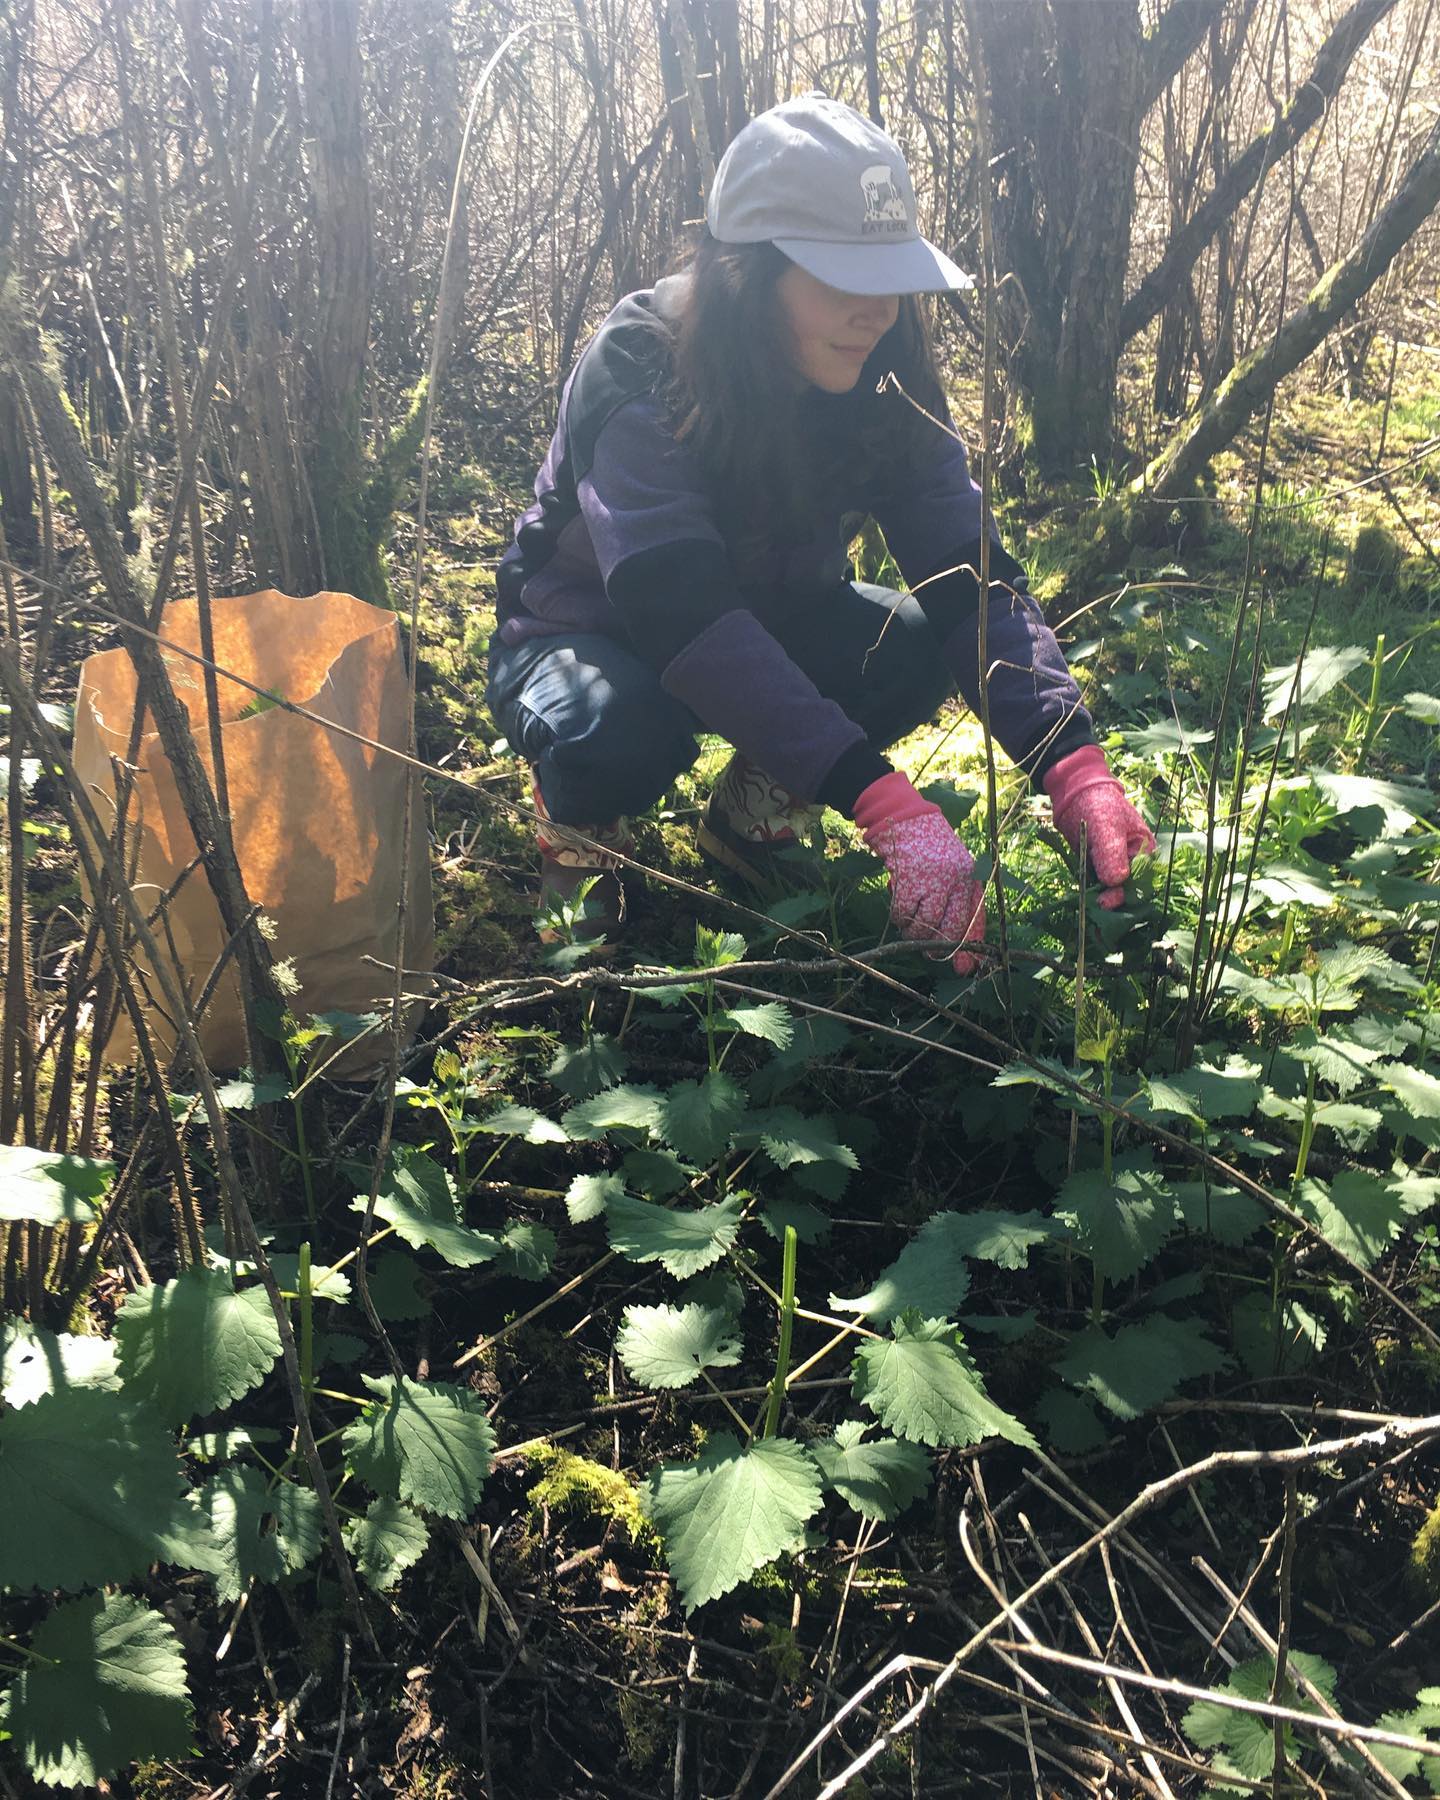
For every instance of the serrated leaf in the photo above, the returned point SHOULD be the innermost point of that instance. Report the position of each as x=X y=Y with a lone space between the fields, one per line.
x=588 y=1068
x=262 y=1533
x=879 y=1478
x=1071 y=1424
x=1424 y=1717
x=789 y=1138
x=34 y=1361
x=426 y=1442
x=221 y=1446
x=657 y=1174
x=698 y=1117
x=1142 y=1364
x=1121 y=1223
x=244 y=1095
x=1357 y=1212
x=808 y=1222
x=1248 y=1739
x=91 y=1490
x=386 y=1542
x=683 y=1243
x=589 y=1195
x=522 y=1122
x=1417 y=1089
x=325 y=1283
x=394 y=1282
x=1008 y=1327
x=1324 y=667
x=107 y=1690
x=1003 y=1238
x=1424 y=707
x=1269 y=1345
x=1224 y=1213
x=768 y=1020
x=929 y=1276
x=49 y=1189
x=193 y=1344
x=730 y=1512
x=668 y=1346
x=528 y=1251
x=623 y=1108
x=917 y=1384
x=417 y=1197
x=1344 y=1065
x=1209 y=1093
x=1400 y=804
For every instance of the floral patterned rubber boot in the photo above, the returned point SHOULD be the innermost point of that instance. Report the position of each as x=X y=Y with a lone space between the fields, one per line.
x=566 y=861
x=754 y=828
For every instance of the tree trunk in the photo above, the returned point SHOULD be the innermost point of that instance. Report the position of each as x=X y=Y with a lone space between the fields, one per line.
x=1249 y=384
x=328 y=37
x=1332 y=60
x=1066 y=83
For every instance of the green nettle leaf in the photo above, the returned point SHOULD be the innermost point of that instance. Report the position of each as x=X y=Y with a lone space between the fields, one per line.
x=789 y=1138
x=918 y=1384
x=879 y=1478
x=1343 y=1064
x=590 y=1067
x=811 y=1225
x=1071 y=1425
x=1271 y=1344
x=107 y=1689
x=522 y=1122
x=1324 y=668
x=1223 y=1213
x=623 y=1108
x=1342 y=1116
x=717 y=949
x=929 y=1275
x=589 y=1195
x=1424 y=1717
x=262 y=1534
x=1357 y=1212
x=417 y=1197
x=698 y=1117
x=683 y=1243
x=1209 y=1093
x=657 y=1174
x=1003 y=1238
x=425 y=1442
x=1424 y=707
x=34 y=1361
x=195 y=1343
x=730 y=1512
x=245 y=1095
x=394 y=1283
x=768 y=1020
x=386 y=1541
x=1400 y=803
x=1142 y=1364
x=1417 y=1090
x=668 y=1346
x=1246 y=1741
x=91 y=1490
x=47 y=1189
x=1120 y=1223
x=529 y=1251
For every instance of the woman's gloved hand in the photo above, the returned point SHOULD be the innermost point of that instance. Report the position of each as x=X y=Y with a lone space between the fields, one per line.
x=1083 y=792
x=934 y=895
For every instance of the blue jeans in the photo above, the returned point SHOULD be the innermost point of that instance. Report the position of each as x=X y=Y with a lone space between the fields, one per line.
x=605 y=737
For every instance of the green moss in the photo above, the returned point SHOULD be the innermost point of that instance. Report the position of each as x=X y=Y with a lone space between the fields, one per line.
x=576 y=1484
x=1425 y=1556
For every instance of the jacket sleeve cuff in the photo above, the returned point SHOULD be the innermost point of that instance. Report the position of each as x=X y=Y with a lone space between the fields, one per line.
x=855 y=770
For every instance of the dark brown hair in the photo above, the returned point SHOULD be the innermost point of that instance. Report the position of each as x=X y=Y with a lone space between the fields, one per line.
x=769 y=449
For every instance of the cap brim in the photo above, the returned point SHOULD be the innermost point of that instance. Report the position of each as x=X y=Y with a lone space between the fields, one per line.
x=913 y=267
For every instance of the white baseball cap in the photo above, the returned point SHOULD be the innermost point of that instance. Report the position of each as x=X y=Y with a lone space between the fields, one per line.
x=832 y=191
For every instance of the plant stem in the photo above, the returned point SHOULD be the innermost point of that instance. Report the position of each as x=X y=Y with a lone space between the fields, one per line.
x=307 y=1324
x=30 y=1655
x=787 y=1327
x=1372 y=710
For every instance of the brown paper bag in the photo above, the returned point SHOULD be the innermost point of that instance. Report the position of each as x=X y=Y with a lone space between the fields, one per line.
x=316 y=817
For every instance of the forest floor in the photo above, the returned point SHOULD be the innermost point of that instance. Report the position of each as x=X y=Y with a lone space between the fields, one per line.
x=641 y=1200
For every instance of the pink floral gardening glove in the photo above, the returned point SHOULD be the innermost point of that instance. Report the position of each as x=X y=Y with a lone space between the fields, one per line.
x=934 y=895
x=1083 y=792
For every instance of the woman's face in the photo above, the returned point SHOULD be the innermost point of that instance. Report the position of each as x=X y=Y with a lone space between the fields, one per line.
x=831 y=333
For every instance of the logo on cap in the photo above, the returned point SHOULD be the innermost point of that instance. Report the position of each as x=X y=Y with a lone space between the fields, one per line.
x=884 y=203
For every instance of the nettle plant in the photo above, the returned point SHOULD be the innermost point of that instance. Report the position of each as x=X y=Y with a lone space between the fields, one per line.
x=1263 y=1003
